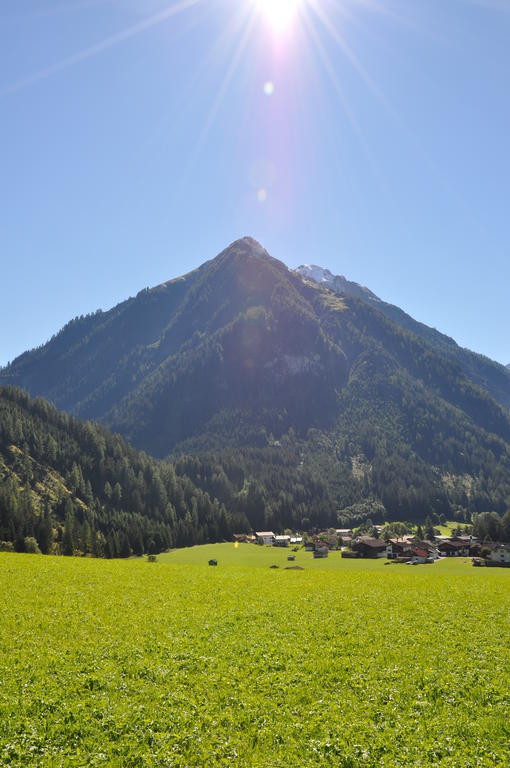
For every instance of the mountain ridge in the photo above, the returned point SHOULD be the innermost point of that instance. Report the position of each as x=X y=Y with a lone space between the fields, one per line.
x=483 y=371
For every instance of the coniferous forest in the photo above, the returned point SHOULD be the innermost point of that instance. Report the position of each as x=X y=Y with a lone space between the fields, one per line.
x=71 y=487
x=68 y=486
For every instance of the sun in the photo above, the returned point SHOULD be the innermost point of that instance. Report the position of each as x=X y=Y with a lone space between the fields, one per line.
x=279 y=14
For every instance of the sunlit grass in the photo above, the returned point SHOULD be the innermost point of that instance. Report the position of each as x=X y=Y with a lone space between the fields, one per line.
x=126 y=663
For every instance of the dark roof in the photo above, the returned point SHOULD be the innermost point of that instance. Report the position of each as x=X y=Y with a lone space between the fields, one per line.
x=374 y=543
x=453 y=544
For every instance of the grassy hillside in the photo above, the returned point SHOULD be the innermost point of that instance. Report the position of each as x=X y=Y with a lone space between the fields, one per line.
x=126 y=663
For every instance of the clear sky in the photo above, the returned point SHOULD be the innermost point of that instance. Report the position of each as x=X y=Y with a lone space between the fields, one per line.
x=138 y=138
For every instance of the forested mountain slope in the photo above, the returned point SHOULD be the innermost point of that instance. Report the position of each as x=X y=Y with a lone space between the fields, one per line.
x=71 y=485
x=480 y=370
x=305 y=402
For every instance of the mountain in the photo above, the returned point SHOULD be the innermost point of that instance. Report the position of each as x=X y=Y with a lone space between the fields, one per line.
x=492 y=376
x=286 y=400
x=67 y=485
x=238 y=332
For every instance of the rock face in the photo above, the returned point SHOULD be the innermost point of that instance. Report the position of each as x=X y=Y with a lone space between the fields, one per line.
x=337 y=283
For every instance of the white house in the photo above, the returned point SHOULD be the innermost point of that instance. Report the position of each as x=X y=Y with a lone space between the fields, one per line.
x=419 y=555
x=281 y=541
x=265 y=537
x=398 y=548
x=500 y=554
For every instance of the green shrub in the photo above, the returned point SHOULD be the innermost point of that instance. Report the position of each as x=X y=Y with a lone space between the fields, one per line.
x=31 y=546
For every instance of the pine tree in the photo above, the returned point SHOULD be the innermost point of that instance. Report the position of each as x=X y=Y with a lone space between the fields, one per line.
x=86 y=543
x=124 y=548
x=117 y=495
x=429 y=528
x=45 y=533
x=68 y=537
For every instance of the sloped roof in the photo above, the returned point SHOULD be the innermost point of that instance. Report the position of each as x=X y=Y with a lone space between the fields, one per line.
x=369 y=542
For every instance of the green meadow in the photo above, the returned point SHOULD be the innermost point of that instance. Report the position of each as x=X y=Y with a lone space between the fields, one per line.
x=175 y=663
x=254 y=556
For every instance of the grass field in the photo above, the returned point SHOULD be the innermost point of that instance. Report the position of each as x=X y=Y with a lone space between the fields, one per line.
x=253 y=556
x=451 y=525
x=126 y=663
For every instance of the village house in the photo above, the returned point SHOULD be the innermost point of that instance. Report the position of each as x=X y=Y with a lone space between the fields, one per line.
x=419 y=555
x=281 y=541
x=411 y=549
x=454 y=547
x=500 y=555
x=368 y=547
x=265 y=537
x=398 y=548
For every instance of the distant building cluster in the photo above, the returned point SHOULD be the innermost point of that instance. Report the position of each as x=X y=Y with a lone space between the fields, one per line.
x=405 y=549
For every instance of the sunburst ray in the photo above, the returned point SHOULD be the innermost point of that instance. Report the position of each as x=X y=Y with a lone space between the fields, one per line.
x=103 y=45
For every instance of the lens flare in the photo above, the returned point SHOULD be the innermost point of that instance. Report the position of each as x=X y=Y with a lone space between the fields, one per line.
x=279 y=14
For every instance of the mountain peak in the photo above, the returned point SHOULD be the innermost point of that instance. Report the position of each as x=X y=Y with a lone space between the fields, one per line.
x=247 y=246
x=246 y=259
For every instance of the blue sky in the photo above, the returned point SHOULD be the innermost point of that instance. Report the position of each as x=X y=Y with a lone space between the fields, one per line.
x=137 y=141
